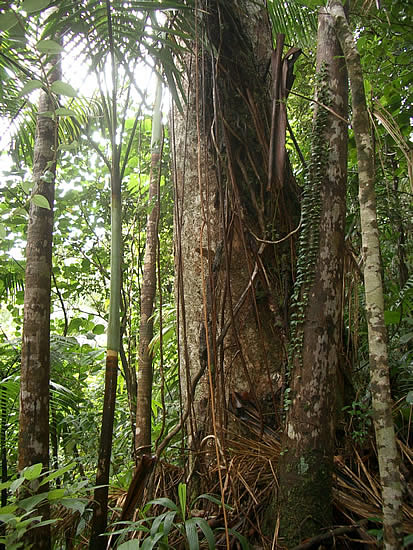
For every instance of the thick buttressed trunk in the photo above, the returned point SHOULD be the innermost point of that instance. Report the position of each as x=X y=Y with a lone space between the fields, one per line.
x=35 y=360
x=306 y=461
x=232 y=287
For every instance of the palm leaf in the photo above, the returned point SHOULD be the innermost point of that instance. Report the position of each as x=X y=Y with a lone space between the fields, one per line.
x=296 y=19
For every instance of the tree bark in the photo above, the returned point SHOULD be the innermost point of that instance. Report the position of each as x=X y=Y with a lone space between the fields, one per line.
x=145 y=369
x=373 y=286
x=306 y=461
x=232 y=287
x=35 y=359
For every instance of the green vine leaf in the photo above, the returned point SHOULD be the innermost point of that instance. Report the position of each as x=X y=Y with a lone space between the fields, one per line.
x=49 y=46
x=62 y=88
x=30 y=87
x=41 y=201
x=30 y=6
x=8 y=20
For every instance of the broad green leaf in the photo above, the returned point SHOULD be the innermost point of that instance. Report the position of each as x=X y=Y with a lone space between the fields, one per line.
x=169 y=518
x=32 y=472
x=192 y=534
x=409 y=397
x=392 y=317
x=41 y=201
x=8 y=20
x=57 y=473
x=8 y=509
x=55 y=494
x=151 y=542
x=62 y=88
x=129 y=545
x=156 y=524
x=30 y=86
x=48 y=114
x=20 y=212
x=30 y=6
x=27 y=186
x=2 y=232
x=49 y=46
x=167 y=502
x=74 y=504
x=5 y=518
x=206 y=529
x=30 y=503
x=99 y=329
x=62 y=111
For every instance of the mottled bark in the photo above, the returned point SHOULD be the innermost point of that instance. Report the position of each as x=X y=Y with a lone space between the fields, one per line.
x=306 y=461
x=373 y=286
x=145 y=369
x=35 y=360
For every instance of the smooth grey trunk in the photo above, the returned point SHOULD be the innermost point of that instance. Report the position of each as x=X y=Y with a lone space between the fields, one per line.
x=306 y=461
x=379 y=367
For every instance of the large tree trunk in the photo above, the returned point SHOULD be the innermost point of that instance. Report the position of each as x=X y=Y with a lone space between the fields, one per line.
x=145 y=370
x=308 y=443
x=373 y=286
x=35 y=361
x=232 y=288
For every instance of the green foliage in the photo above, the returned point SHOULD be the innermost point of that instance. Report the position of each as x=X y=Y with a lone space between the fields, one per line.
x=24 y=511
x=360 y=420
x=161 y=531
x=296 y=19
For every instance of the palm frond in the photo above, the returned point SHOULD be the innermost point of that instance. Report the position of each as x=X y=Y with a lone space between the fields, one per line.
x=296 y=19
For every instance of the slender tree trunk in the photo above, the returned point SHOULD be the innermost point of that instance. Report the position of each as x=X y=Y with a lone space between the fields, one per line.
x=99 y=521
x=145 y=371
x=35 y=361
x=306 y=462
x=373 y=285
x=100 y=510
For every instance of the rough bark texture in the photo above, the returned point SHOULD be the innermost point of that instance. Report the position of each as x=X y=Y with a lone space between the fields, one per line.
x=35 y=359
x=231 y=287
x=306 y=462
x=379 y=367
x=145 y=372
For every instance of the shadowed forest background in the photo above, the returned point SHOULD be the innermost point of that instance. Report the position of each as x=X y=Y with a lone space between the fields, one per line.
x=206 y=284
